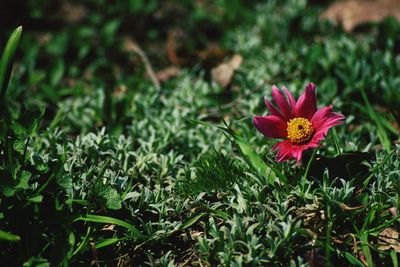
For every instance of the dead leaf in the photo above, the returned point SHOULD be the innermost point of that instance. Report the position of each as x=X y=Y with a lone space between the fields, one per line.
x=124 y=261
x=195 y=234
x=352 y=13
x=389 y=239
x=211 y=56
x=362 y=258
x=167 y=73
x=348 y=208
x=221 y=195
x=72 y=14
x=213 y=51
x=109 y=228
x=130 y=46
x=44 y=38
x=181 y=52
x=172 y=46
x=223 y=73
x=120 y=91
x=394 y=211
x=312 y=215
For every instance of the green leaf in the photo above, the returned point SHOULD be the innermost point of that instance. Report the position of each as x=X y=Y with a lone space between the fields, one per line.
x=82 y=245
x=106 y=195
x=65 y=181
x=6 y=61
x=353 y=260
x=24 y=178
x=382 y=134
x=36 y=262
x=366 y=250
x=8 y=190
x=57 y=73
x=36 y=199
x=393 y=256
x=108 y=242
x=9 y=237
x=113 y=199
x=110 y=220
x=219 y=213
x=253 y=159
x=191 y=221
x=188 y=223
x=76 y=201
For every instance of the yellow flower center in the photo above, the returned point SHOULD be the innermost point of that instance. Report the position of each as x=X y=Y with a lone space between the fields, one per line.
x=299 y=130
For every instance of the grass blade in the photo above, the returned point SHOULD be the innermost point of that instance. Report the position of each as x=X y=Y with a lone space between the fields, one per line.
x=393 y=256
x=110 y=220
x=108 y=242
x=253 y=159
x=187 y=224
x=353 y=260
x=82 y=245
x=8 y=236
x=382 y=134
x=366 y=250
x=191 y=221
x=6 y=61
x=336 y=141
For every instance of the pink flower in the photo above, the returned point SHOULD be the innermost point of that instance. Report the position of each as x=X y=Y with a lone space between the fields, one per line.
x=299 y=123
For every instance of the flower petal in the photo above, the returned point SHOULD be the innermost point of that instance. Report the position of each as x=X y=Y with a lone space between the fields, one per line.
x=288 y=150
x=284 y=150
x=324 y=119
x=271 y=126
x=333 y=120
x=319 y=117
x=282 y=103
x=306 y=105
x=272 y=109
x=292 y=101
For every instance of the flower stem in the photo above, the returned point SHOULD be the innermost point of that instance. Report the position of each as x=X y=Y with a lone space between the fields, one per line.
x=304 y=178
x=336 y=141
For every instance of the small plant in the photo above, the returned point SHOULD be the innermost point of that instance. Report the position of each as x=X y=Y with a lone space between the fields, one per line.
x=213 y=172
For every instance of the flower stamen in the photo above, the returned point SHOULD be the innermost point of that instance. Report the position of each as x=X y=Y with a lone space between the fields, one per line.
x=299 y=130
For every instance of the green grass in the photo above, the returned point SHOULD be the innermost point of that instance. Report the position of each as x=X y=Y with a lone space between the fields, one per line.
x=98 y=166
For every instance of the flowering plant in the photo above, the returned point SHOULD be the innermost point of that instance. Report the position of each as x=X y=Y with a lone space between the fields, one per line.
x=299 y=123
